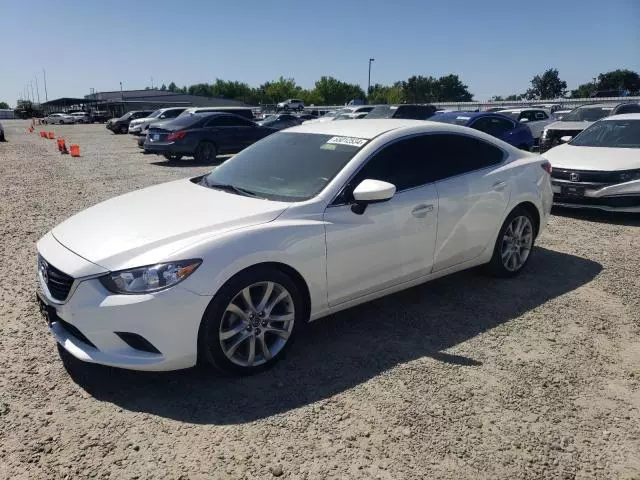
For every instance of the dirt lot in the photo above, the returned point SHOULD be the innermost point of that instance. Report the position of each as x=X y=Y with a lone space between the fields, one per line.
x=465 y=377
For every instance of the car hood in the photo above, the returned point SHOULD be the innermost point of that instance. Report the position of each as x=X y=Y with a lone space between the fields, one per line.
x=138 y=121
x=149 y=225
x=593 y=158
x=559 y=125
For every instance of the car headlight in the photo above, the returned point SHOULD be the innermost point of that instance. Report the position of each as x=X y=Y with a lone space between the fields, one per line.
x=151 y=278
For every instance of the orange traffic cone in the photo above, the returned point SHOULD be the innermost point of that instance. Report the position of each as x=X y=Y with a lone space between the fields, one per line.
x=42 y=134
x=51 y=135
x=60 y=143
x=75 y=150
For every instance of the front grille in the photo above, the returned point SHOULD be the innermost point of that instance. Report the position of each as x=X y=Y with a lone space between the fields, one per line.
x=552 y=138
x=622 y=201
x=593 y=176
x=58 y=283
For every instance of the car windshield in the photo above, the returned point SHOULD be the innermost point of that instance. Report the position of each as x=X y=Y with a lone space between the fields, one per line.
x=610 y=133
x=453 y=118
x=382 y=111
x=155 y=114
x=287 y=166
x=587 y=114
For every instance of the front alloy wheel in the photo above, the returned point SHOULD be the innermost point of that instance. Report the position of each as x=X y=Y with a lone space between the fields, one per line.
x=257 y=324
x=251 y=321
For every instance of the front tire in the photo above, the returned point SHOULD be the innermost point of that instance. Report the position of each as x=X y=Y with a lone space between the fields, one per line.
x=251 y=322
x=205 y=152
x=514 y=244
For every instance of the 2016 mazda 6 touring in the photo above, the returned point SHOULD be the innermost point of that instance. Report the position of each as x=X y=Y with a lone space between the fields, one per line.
x=303 y=223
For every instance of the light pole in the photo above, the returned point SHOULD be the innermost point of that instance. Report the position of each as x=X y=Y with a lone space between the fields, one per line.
x=369 y=82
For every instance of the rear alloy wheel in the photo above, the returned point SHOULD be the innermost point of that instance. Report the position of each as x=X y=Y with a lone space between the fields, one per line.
x=206 y=152
x=514 y=244
x=251 y=322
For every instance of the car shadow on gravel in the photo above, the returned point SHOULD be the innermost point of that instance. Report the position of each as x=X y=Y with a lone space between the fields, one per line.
x=599 y=216
x=337 y=353
x=191 y=162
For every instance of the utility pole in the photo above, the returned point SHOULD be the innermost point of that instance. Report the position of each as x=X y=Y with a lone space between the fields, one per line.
x=32 y=94
x=37 y=89
x=369 y=82
x=46 y=96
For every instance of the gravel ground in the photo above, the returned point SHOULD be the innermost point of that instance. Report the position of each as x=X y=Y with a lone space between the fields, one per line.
x=465 y=377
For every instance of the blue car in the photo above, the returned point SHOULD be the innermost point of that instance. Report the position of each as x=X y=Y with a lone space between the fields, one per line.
x=495 y=124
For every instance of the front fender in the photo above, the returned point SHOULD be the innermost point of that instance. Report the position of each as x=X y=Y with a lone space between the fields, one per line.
x=299 y=244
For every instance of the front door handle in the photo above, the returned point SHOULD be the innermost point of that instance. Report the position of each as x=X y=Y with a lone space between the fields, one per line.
x=499 y=186
x=421 y=210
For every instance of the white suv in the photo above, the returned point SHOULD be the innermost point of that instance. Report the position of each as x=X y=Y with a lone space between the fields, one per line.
x=535 y=118
x=291 y=104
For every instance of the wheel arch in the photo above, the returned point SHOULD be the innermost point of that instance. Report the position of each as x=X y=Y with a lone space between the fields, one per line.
x=533 y=211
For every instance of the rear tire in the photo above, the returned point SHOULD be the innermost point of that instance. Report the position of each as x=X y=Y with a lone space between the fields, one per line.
x=514 y=245
x=205 y=152
x=123 y=129
x=241 y=337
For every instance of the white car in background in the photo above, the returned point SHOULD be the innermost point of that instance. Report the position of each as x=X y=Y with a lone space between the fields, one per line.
x=139 y=125
x=81 y=117
x=58 y=118
x=600 y=167
x=291 y=104
x=306 y=222
x=353 y=113
x=535 y=118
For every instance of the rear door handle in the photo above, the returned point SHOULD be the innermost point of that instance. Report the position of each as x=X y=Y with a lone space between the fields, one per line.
x=499 y=186
x=421 y=210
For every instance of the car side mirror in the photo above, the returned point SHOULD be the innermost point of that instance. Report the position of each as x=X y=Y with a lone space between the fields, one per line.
x=371 y=191
x=566 y=138
x=524 y=120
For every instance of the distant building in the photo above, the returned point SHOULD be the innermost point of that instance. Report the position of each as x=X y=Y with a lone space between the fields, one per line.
x=117 y=102
x=6 y=113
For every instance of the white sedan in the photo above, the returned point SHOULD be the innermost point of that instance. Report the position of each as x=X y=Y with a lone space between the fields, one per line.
x=600 y=167
x=306 y=222
x=58 y=118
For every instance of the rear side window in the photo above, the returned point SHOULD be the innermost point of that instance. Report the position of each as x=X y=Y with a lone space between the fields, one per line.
x=495 y=126
x=228 y=121
x=452 y=154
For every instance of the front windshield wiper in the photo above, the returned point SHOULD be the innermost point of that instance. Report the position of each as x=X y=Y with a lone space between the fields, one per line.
x=230 y=188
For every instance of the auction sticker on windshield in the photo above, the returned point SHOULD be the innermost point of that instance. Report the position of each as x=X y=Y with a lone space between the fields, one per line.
x=351 y=141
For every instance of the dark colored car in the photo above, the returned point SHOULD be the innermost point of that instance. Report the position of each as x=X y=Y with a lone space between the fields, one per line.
x=495 y=124
x=281 y=121
x=121 y=125
x=203 y=136
x=407 y=111
x=580 y=118
x=307 y=116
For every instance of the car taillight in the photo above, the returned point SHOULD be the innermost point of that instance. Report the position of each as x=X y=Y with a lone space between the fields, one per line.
x=180 y=134
x=546 y=166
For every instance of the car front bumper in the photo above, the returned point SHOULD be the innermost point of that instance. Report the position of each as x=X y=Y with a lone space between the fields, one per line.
x=91 y=322
x=135 y=129
x=620 y=197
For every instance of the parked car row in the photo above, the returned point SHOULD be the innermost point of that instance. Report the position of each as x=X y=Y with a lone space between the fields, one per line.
x=72 y=118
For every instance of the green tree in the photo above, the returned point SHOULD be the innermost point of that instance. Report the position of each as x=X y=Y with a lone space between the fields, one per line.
x=201 y=89
x=172 y=87
x=163 y=88
x=234 y=90
x=278 y=90
x=547 y=86
x=385 y=94
x=584 y=91
x=514 y=98
x=4 y=105
x=620 y=80
x=336 y=92
x=419 y=89
x=451 y=89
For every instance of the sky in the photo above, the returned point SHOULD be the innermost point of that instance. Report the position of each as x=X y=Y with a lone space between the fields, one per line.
x=495 y=46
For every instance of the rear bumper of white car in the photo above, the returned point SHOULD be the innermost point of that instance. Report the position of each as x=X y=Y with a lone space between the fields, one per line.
x=620 y=197
x=152 y=332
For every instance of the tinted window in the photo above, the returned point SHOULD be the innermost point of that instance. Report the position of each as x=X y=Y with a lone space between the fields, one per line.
x=495 y=126
x=172 y=113
x=228 y=121
x=401 y=163
x=587 y=114
x=610 y=133
x=628 y=109
x=540 y=115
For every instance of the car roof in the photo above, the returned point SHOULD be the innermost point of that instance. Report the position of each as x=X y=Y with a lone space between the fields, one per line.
x=370 y=128
x=470 y=115
x=623 y=116
x=523 y=109
x=602 y=105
